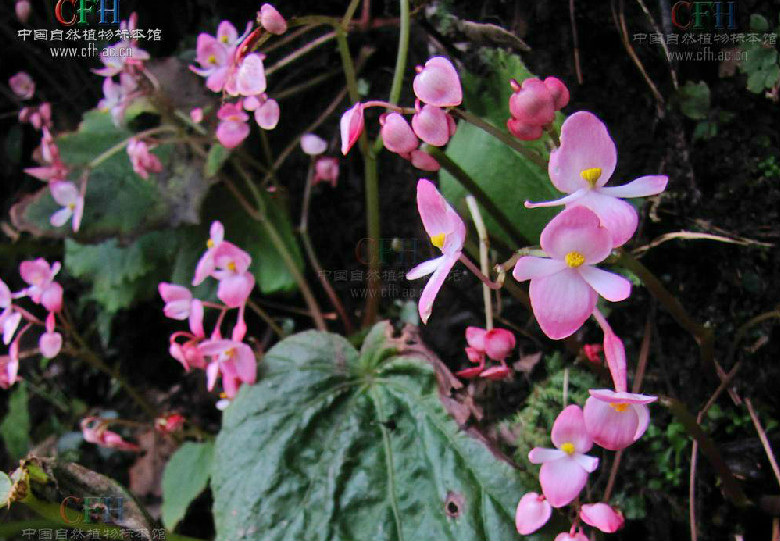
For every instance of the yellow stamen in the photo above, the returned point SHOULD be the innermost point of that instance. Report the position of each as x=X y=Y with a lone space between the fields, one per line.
x=209 y=243
x=574 y=259
x=223 y=39
x=72 y=206
x=229 y=353
x=438 y=240
x=212 y=59
x=231 y=266
x=568 y=448
x=619 y=407
x=592 y=175
x=223 y=396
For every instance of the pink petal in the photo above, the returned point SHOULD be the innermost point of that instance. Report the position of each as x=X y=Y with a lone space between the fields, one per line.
x=351 y=126
x=425 y=268
x=397 y=135
x=541 y=455
x=61 y=217
x=212 y=372
x=173 y=292
x=523 y=131
x=558 y=91
x=65 y=193
x=561 y=303
x=431 y=125
x=615 y=353
x=432 y=208
x=217 y=232
x=438 y=83
x=569 y=427
x=610 y=428
x=585 y=144
x=231 y=133
x=499 y=343
x=496 y=373
x=601 y=516
x=250 y=80
x=50 y=344
x=643 y=414
x=587 y=462
x=612 y=397
x=22 y=10
x=313 y=145
x=533 y=512
x=205 y=267
x=267 y=115
x=51 y=297
x=246 y=364
x=530 y=267
x=571 y=198
x=436 y=281
x=469 y=373
x=571 y=536
x=533 y=104
x=234 y=290
x=618 y=216
x=196 y=318
x=612 y=287
x=562 y=480
x=475 y=337
x=577 y=229
x=272 y=20
x=9 y=327
x=641 y=187
x=424 y=161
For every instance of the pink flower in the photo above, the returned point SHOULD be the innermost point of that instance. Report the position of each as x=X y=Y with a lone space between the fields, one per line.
x=582 y=166
x=234 y=361
x=196 y=115
x=228 y=35
x=118 y=96
x=433 y=125
x=351 y=126
x=250 y=79
x=188 y=354
x=22 y=85
x=602 y=516
x=50 y=342
x=9 y=318
x=326 y=170
x=533 y=512
x=572 y=535
x=447 y=232
x=95 y=431
x=178 y=300
x=22 y=9
x=438 y=83
x=267 y=114
x=40 y=277
x=8 y=371
x=532 y=104
x=615 y=420
x=144 y=162
x=499 y=343
x=496 y=344
x=233 y=127
x=565 y=469
x=206 y=265
x=477 y=357
x=235 y=282
x=39 y=117
x=313 y=145
x=214 y=57
x=66 y=194
x=397 y=135
x=271 y=20
x=564 y=288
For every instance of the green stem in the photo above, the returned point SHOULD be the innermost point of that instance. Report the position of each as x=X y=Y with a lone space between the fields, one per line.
x=502 y=136
x=347 y=20
x=472 y=187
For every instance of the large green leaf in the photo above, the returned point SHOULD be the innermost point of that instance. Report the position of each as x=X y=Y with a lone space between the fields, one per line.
x=118 y=202
x=185 y=477
x=335 y=444
x=506 y=176
x=15 y=428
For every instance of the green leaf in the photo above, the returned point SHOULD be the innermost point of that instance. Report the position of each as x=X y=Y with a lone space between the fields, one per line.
x=185 y=477
x=755 y=82
x=6 y=487
x=15 y=428
x=333 y=444
x=216 y=158
x=507 y=177
x=118 y=202
x=758 y=23
x=694 y=100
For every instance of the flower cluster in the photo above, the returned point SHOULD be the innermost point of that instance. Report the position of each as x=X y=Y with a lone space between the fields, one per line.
x=229 y=65
x=231 y=359
x=43 y=291
x=497 y=344
x=533 y=105
x=437 y=87
x=326 y=168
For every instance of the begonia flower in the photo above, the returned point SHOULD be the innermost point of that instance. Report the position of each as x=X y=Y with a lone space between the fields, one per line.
x=313 y=145
x=565 y=469
x=326 y=170
x=602 y=516
x=40 y=277
x=206 y=265
x=447 y=232
x=397 y=134
x=215 y=59
x=50 y=342
x=250 y=77
x=117 y=97
x=142 y=159
x=351 y=126
x=234 y=361
x=67 y=194
x=8 y=371
x=39 y=117
x=22 y=85
x=532 y=104
x=196 y=115
x=533 y=512
x=433 y=125
x=233 y=127
x=271 y=19
x=564 y=288
x=524 y=132
x=558 y=91
x=267 y=114
x=9 y=318
x=474 y=356
x=581 y=168
x=572 y=535
x=437 y=83
x=615 y=420
x=169 y=423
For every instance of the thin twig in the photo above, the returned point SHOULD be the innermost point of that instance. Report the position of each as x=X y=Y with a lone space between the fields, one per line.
x=575 y=42
x=764 y=440
x=298 y=53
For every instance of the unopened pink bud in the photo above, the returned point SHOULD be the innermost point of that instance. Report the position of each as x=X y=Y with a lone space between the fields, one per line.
x=22 y=85
x=522 y=131
x=499 y=343
x=559 y=92
x=272 y=20
x=196 y=115
x=313 y=145
x=398 y=135
x=326 y=170
x=267 y=115
x=351 y=126
x=533 y=104
x=431 y=125
x=50 y=344
x=438 y=83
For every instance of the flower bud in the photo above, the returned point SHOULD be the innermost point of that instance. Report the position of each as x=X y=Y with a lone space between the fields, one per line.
x=533 y=104
x=524 y=132
x=351 y=126
x=431 y=125
x=558 y=91
x=438 y=83
x=271 y=19
x=397 y=135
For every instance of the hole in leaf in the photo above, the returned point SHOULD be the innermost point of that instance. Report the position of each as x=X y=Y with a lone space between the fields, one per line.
x=453 y=505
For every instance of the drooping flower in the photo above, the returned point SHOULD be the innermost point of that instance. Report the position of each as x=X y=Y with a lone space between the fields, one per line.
x=437 y=83
x=351 y=126
x=66 y=194
x=572 y=535
x=22 y=85
x=565 y=287
x=602 y=516
x=95 y=431
x=50 y=342
x=39 y=117
x=233 y=127
x=532 y=104
x=206 y=265
x=271 y=19
x=615 y=420
x=424 y=161
x=250 y=78
x=496 y=344
x=234 y=361
x=8 y=371
x=180 y=305
x=118 y=96
x=447 y=232
x=54 y=170
x=9 y=318
x=326 y=170
x=533 y=512
x=313 y=145
x=565 y=469
x=397 y=134
x=581 y=168
x=559 y=92
x=144 y=162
